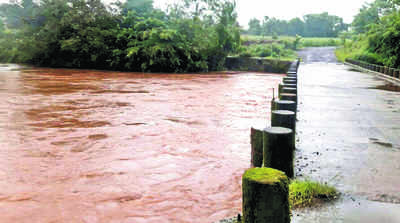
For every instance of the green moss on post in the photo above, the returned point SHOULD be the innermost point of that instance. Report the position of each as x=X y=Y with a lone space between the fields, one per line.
x=265 y=196
x=278 y=147
x=256 y=138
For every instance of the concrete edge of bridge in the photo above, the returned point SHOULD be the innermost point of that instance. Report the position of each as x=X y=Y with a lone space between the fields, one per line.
x=379 y=75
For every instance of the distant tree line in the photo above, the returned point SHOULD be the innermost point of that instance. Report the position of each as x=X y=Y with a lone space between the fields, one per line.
x=311 y=25
x=192 y=35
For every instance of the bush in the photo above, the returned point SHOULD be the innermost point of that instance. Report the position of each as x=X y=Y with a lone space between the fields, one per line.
x=368 y=57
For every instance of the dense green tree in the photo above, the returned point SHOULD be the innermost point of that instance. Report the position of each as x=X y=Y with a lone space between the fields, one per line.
x=377 y=34
x=370 y=14
x=195 y=35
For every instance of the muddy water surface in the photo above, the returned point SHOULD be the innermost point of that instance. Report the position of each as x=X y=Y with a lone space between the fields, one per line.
x=91 y=146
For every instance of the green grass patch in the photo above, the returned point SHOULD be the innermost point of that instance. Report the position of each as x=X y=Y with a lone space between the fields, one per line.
x=307 y=193
x=272 y=50
x=305 y=41
x=320 y=42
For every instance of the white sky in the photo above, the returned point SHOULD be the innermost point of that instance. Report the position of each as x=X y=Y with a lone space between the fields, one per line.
x=286 y=9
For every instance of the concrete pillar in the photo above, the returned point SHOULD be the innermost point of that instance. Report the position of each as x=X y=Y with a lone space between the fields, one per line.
x=256 y=140
x=391 y=72
x=290 y=78
x=265 y=194
x=278 y=147
x=284 y=105
x=288 y=90
x=289 y=81
x=283 y=118
x=290 y=85
x=288 y=97
x=387 y=70
x=280 y=86
x=397 y=73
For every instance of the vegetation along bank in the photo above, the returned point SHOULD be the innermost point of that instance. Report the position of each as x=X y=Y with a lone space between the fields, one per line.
x=375 y=34
x=190 y=36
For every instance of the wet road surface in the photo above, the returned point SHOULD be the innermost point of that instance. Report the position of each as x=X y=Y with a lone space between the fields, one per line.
x=104 y=147
x=349 y=137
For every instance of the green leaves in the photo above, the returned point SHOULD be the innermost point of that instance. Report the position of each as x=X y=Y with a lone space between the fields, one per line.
x=134 y=36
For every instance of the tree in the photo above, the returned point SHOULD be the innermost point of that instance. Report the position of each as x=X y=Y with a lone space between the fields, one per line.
x=312 y=25
x=370 y=14
x=254 y=27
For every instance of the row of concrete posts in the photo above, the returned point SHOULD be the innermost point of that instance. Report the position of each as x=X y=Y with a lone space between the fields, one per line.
x=265 y=186
x=391 y=72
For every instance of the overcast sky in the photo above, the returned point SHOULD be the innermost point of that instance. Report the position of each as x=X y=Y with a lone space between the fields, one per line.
x=286 y=9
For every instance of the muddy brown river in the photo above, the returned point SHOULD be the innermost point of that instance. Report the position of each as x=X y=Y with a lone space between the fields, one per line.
x=92 y=146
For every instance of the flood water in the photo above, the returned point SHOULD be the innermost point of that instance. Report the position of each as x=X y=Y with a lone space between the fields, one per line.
x=92 y=146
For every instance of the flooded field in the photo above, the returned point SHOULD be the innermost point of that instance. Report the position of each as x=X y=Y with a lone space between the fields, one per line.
x=92 y=146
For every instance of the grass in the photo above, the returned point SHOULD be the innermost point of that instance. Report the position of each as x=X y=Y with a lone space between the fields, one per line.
x=352 y=50
x=320 y=42
x=305 y=42
x=307 y=193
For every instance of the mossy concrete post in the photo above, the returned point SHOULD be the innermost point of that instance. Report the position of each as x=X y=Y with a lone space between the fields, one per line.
x=386 y=70
x=283 y=118
x=382 y=69
x=265 y=194
x=290 y=85
x=391 y=72
x=256 y=140
x=397 y=73
x=278 y=147
x=288 y=97
x=284 y=105
x=289 y=81
x=289 y=90
x=290 y=78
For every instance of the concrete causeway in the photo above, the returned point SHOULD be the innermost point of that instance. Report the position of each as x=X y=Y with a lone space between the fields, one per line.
x=348 y=135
